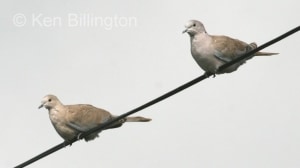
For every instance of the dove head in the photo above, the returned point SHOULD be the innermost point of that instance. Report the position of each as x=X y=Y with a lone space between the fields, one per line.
x=194 y=27
x=49 y=101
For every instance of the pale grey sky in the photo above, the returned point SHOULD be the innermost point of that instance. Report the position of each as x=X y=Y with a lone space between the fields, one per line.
x=134 y=53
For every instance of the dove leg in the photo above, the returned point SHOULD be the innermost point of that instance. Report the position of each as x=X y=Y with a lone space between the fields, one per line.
x=207 y=74
x=66 y=142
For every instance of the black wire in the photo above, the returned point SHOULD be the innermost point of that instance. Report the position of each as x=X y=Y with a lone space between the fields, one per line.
x=154 y=101
x=46 y=153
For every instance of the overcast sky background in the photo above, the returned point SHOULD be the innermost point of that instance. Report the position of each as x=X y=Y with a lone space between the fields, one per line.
x=249 y=118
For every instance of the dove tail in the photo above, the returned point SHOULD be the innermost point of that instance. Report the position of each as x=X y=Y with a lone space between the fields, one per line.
x=265 y=54
x=128 y=119
x=137 y=119
x=254 y=45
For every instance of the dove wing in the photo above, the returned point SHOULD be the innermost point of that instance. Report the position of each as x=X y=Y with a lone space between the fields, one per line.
x=227 y=49
x=83 y=117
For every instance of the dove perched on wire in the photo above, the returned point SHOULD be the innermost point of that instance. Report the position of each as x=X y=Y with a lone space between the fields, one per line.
x=71 y=120
x=210 y=52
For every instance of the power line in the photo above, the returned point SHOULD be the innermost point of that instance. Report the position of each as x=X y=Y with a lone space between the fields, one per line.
x=158 y=99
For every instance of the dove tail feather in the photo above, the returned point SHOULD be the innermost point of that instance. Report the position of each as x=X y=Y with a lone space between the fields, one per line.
x=265 y=54
x=254 y=45
x=120 y=122
x=137 y=119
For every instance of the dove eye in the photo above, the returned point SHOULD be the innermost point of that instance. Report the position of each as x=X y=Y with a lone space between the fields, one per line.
x=49 y=100
x=194 y=24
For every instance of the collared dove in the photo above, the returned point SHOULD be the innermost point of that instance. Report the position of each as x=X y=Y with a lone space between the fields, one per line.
x=210 y=52
x=71 y=120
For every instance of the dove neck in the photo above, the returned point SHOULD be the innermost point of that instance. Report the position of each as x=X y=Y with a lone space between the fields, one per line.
x=57 y=106
x=57 y=112
x=201 y=38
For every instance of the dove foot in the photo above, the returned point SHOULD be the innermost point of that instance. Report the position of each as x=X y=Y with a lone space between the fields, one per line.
x=80 y=136
x=66 y=143
x=208 y=74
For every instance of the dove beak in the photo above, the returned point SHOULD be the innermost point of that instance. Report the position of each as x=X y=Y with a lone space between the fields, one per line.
x=42 y=105
x=184 y=31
